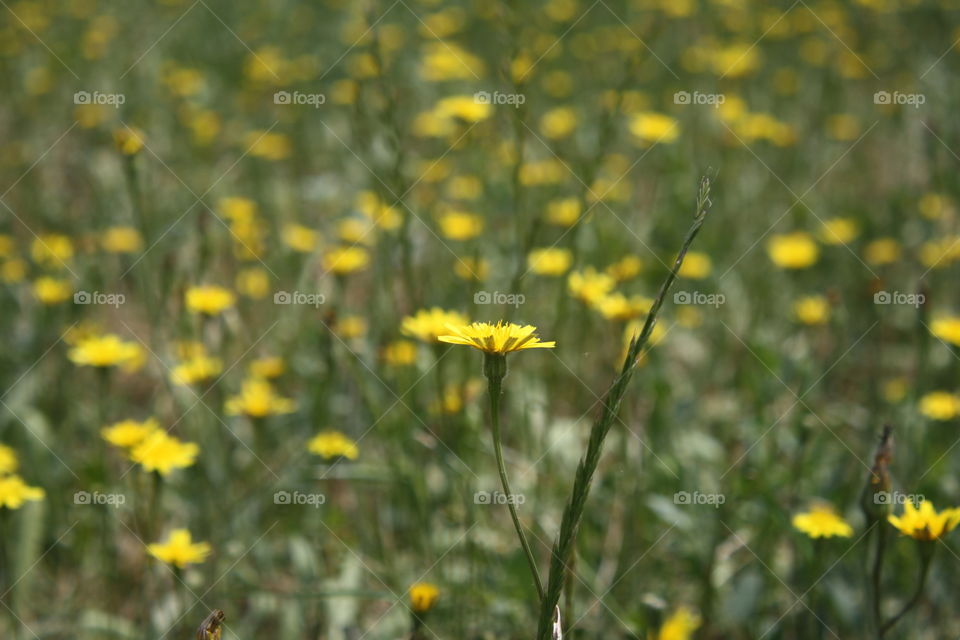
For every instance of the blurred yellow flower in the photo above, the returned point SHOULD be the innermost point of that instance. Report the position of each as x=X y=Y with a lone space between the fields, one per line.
x=812 y=310
x=237 y=209
x=14 y=270
x=460 y=225
x=473 y=269
x=589 y=285
x=52 y=291
x=925 y=523
x=128 y=140
x=795 y=250
x=253 y=282
x=882 y=251
x=466 y=108
x=8 y=460
x=564 y=212
x=349 y=327
x=423 y=595
x=617 y=306
x=199 y=368
x=650 y=127
x=429 y=324
x=680 y=625
x=129 y=433
x=257 y=399
x=179 y=549
x=333 y=444
x=105 y=351
x=541 y=172
x=51 y=250
x=377 y=211
x=940 y=405
x=14 y=492
x=443 y=60
x=400 y=353
x=465 y=187
x=500 y=338
x=267 y=145
x=121 y=240
x=163 y=453
x=344 y=260
x=626 y=268
x=300 y=238
x=210 y=300
x=550 y=261
x=696 y=265
x=558 y=123
x=843 y=126
x=821 y=521
x=267 y=367
x=947 y=328
x=933 y=205
x=838 y=231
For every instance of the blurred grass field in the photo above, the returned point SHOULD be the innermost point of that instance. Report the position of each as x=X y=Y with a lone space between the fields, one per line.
x=233 y=232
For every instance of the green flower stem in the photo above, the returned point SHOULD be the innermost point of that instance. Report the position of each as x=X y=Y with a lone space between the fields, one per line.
x=495 y=368
x=926 y=554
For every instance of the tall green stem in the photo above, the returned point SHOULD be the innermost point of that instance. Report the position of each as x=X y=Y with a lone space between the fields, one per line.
x=926 y=554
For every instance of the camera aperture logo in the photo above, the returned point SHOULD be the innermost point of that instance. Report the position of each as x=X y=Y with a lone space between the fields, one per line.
x=498 y=497
x=299 y=98
x=96 y=297
x=95 y=97
x=299 y=499
x=114 y=500
x=299 y=297
x=497 y=98
x=908 y=99
x=915 y=300
x=699 y=298
x=498 y=297
x=713 y=499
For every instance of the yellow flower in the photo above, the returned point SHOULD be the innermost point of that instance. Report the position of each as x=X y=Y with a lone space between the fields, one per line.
x=300 y=238
x=377 y=211
x=267 y=145
x=563 y=212
x=333 y=444
x=121 y=240
x=423 y=596
x=589 y=285
x=209 y=299
x=882 y=251
x=163 y=453
x=52 y=291
x=651 y=127
x=459 y=225
x=13 y=270
x=268 y=367
x=696 y=266
x=468 y=268
x=812 y=310
x=947 y=328
x=344 y=260
x=257 y=399
x=128 y=140
x=821 y=521
x=349 y=327
x=933 y=205
x=466 y=108
x=465 y=187
x=196 y=369
x=895 y=390
x=253 y=282
x=498 y=339
x=129 y=433
x=940 y=405
x=558 y=123
x=679 y=626
x=624 y=269
x=838 y=231
x=237 y=209
x=444 y=60
x=617 y=306
x=8 y=460
x=925 y=523
x=179 y=549
x=400 y=353
x=51 y=250
x=105 y=351
x=549 y=262
x=14 y=492
x=429 y=324
x=795 y=250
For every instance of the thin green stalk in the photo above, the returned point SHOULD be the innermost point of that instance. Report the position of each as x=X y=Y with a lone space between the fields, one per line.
x=876 y=576
x=573 y=513
x=926 y=554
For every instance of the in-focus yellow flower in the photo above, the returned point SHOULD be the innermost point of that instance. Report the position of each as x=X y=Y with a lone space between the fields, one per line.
x=459 y=225
x=333 y=444
x=563 y=212
x=423 y=595
x=429 y=324
x=696 y=265
x=550 y=262
x=8 y=460
x=121 y=240
x=821 y=521
x=812 y=310
x=199 y=368
x=128 y=140
x=400 y=353
x=14 y=492
x=105 y=351
x=163 y=453
x=179 y=549
x=925 y=523
x=680 y=625
x=497 y=338
x=51 y=291
x=300 y=238
x=882 y=251
x=625 y=268
x=589 y=286
x=795 y=250
x=838 y=231
x=129 y=433
x=209 y=299
x=257 y=399
x=267 y=367
x=940 y=405
x=650 y=127
x=947 y=328
x=344 y=260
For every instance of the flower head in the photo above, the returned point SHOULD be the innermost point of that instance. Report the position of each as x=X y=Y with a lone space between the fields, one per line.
x=795 y=250
x=925 y=523
x=429 y=324
x=257 y=399
x=129 y=433
x=423 y=595
x=550 y=261
x=105 y=351
x=589 y=285
x=163 y=453
x=497 y=338
x=179 y=549
x=947 y=328
x=344 y=260
x=821 y=521
x=333 y=444
x=940 y=405
x=209 y=300
x=196 y=369
x=812 y=310
x=14 y=492
x=680 y=625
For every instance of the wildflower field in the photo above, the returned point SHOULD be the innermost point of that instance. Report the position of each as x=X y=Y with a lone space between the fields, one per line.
x=479 y=319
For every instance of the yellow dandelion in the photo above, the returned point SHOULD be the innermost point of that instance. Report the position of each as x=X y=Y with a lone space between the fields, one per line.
x=179 y=549
x=821 y=521
x=429 y=324
x=333 y=444
x=423 y=595
x=550 y=261
x=258 y=399
x=209 y=299
x=105 y=351
x=163 y=453
x=925 y=523
x=940 y=405
x=14 y=492
x=499 y=339
x=129 y=433
x=344 y=260
x=795 y=250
